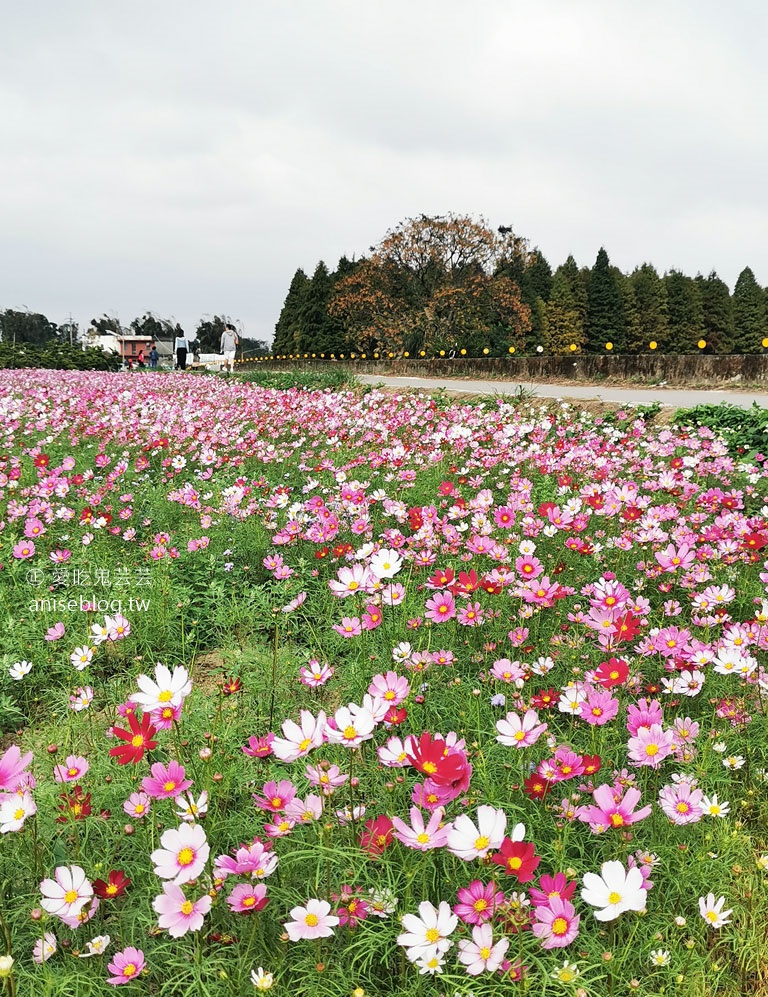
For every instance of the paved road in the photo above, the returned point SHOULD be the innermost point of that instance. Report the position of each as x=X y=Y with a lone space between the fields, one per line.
x=676 y=397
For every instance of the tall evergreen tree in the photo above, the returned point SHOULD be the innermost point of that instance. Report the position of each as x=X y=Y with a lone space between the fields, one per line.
x=717 y=305
x=632 y=325
x=288 y=322
x=686 y=315
x=563 y=326
x=749 y=314
x=536 y=283
x=652 y=310
x=605 y=315
x=315 y=332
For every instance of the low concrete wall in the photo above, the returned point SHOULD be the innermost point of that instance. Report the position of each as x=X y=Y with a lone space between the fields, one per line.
x=699 y=369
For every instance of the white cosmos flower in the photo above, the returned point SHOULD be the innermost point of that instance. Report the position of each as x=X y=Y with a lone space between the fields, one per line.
x=468 y=841
x=168 y=689
x=712 y=911
x=385 y=563
x=614 y=891
x=18 y=670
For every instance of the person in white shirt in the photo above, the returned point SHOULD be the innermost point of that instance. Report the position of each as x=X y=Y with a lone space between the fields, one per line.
x=228 y=346
x=181 y=346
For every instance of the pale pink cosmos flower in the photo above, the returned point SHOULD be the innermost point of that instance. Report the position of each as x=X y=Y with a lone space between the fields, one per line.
x=305 y=811
x=508 y=671
x=351 y=580
x=482 y=955
x=44 y=948
x=612 y=810
x=23 y=551
x=315 y=674
x=299 y=738
x=67 y=893
x=328 y=779
x=418 y=835
x=312 y=921
x=515 y=732
x=82 y=699
x=468 y=841
x=350 y=626
x=682 y=802
x=14 y=810
x=394 y=754
x=177 y=914
x=56 y=632
x=74 y=768
x=557 y=923
x=81 y=657
x=117 y=627
x=183 y=854
x=166 y=781
x=191 y=809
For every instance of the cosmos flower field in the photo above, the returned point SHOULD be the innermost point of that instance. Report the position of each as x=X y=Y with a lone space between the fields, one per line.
x=345 y=693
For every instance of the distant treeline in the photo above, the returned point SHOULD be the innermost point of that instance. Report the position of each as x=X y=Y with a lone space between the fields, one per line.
x=452 y=283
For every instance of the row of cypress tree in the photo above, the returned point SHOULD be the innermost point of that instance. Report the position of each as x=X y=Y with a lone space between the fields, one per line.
x=582 y=307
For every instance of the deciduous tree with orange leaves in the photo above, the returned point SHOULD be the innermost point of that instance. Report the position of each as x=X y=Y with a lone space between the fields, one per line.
x=435 y=283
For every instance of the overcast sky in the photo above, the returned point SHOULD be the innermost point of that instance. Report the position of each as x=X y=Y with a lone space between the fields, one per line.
x=185 y=157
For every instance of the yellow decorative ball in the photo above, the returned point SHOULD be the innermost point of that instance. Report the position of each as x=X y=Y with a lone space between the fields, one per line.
x=652 y=345
x=701 y=344
x=609 y=346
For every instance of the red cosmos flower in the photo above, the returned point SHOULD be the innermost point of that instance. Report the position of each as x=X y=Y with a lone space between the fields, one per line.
x=76 y=806
x=626 y=627
x=230 y=686
x=115 y=886
x=518 y=858
x=395 y=716
x=754 y=541
x=535 y=787
x=446 y=488
x=377 y=836
x=42 y=460
x=86 y=515
x=592 y=764
x=321 y=553
x=544 y=699
x=415 y=518
x=430 y=757
x=469 y=581
x=440 y=578
x=612 y=672
x=139 y=739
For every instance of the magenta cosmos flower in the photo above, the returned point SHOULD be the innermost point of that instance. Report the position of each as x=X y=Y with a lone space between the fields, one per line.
x=478 y=902
x=177 y=914
x=245 y=898
x=313 y=921
x=557 y=923
x=165 y=782
x=183 y=855
x=125 y=966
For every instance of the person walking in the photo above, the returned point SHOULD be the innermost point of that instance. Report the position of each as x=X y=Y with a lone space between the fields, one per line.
x=228 y=346
x=140 y=360
x=181 y=345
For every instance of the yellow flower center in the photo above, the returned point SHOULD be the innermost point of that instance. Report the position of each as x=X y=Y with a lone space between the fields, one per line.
x=139 y=808
x=519 y=735
x=311 y=920
x=514 y=863
x=559 y=926
x=614 y=897
x=482 y=842
x=18 y=814
x=350 y=733
x=186 y=856
x=187 y=907
x=485 y=952
x=169 y=786
x=422 y=838
x=137 y=740
x=249 y=901
x=432 y=935
x=129 y=970
x=70 y=896
x=651 y=749
x=165 y=696
x=304 y=745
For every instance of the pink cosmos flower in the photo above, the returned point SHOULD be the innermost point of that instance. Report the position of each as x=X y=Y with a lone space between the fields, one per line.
x=245 y=898
x=549 y=887
x=56 y=632
x=305 y=811
x=611 y=810
x=478 y=902
x=277 y=795
x=44 y=948
x=315 y=674
x=481 y=955
x=125 y=966
x=599 y=708
x=682 y=803
x=517 y=733
x=390 y=687
x=508 y=671
x=177 y=914
x=137 y=805
x=23 y=550
x=12 y=765
x=441 y=607
x=259 y=747
x=350 y=626
x=165 y=781
x=73 y=769
x=417 y=835
x=557 y=924
x=312 y=921
x=33 y=528
x=644 y=715
x=183 y=854
x=394 y=754
x=651 y=746
x=328 y=779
